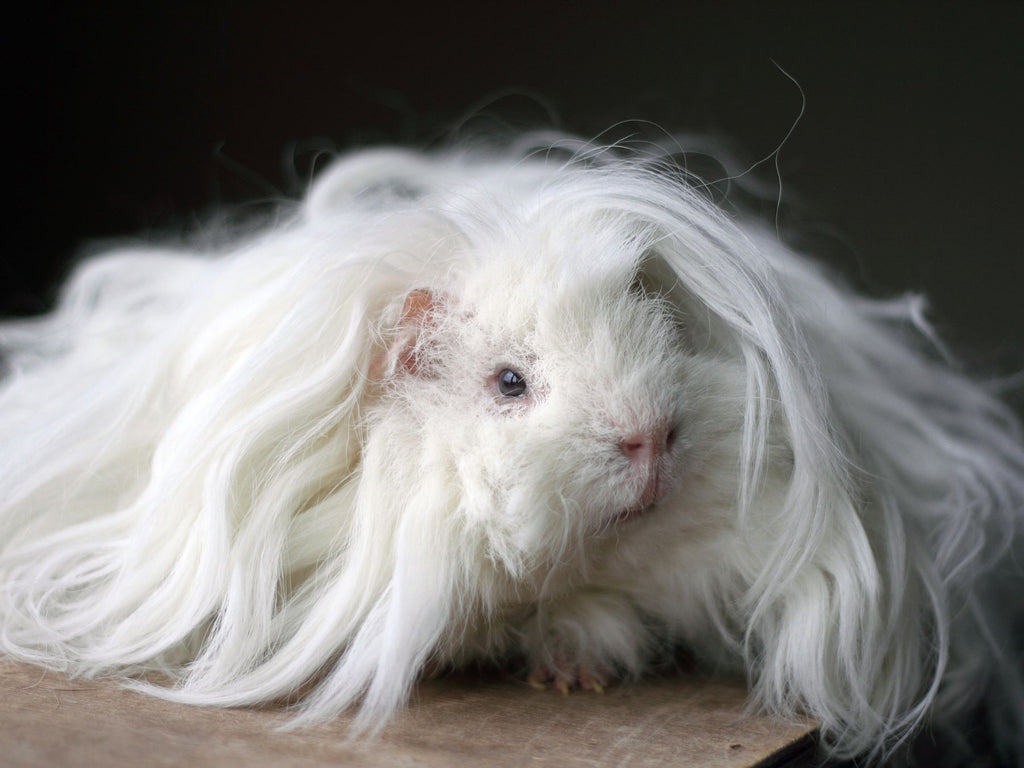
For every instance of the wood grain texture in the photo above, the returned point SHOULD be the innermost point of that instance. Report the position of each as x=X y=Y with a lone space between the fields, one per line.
x=471 y=720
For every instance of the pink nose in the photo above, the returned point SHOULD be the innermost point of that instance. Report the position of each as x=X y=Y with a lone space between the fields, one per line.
x=645 y=447
x=644 y=451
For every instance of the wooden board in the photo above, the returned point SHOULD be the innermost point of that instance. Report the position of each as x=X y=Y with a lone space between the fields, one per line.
x=470 y=720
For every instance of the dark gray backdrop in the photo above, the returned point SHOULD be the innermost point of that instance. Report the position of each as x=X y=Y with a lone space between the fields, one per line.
x=905 y=169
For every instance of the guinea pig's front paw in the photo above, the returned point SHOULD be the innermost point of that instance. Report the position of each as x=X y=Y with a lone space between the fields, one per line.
x=583 y=640
x=566 y=676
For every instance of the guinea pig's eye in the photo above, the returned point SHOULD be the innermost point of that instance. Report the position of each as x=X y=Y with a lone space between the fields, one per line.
x=511 y=384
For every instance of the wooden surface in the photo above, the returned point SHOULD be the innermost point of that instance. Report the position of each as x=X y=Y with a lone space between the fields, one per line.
x=48 y=720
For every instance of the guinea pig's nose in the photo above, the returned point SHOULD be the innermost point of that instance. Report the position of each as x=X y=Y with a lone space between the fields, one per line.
x=645 y=446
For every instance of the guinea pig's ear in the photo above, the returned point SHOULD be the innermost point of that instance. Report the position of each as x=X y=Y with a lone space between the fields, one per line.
x=405 y=353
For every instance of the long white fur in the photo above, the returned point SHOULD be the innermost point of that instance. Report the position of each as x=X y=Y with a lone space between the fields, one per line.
x=221 y=466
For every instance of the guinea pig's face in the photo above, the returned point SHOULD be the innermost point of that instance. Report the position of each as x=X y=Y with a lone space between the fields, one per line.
x=564 y=413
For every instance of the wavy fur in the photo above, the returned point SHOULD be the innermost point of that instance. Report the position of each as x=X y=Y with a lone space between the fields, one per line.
x=289 y=460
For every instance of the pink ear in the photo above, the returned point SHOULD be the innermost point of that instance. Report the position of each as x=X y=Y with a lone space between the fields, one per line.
x=403 y=354
x=419 y=305
x=417 y=314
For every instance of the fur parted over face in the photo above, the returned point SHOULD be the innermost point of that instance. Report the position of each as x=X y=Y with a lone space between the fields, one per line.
x=544 y=473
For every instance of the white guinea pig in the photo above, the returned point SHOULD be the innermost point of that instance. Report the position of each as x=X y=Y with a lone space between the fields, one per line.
x=487 y=404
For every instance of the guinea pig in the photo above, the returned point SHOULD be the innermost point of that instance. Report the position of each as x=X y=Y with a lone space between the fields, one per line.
x=487 y=403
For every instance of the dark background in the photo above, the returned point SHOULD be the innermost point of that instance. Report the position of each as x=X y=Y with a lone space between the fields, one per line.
x=905 y=170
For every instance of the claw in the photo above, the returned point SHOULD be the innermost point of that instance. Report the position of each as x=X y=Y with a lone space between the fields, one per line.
x=592 y=680
x=537 y=679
